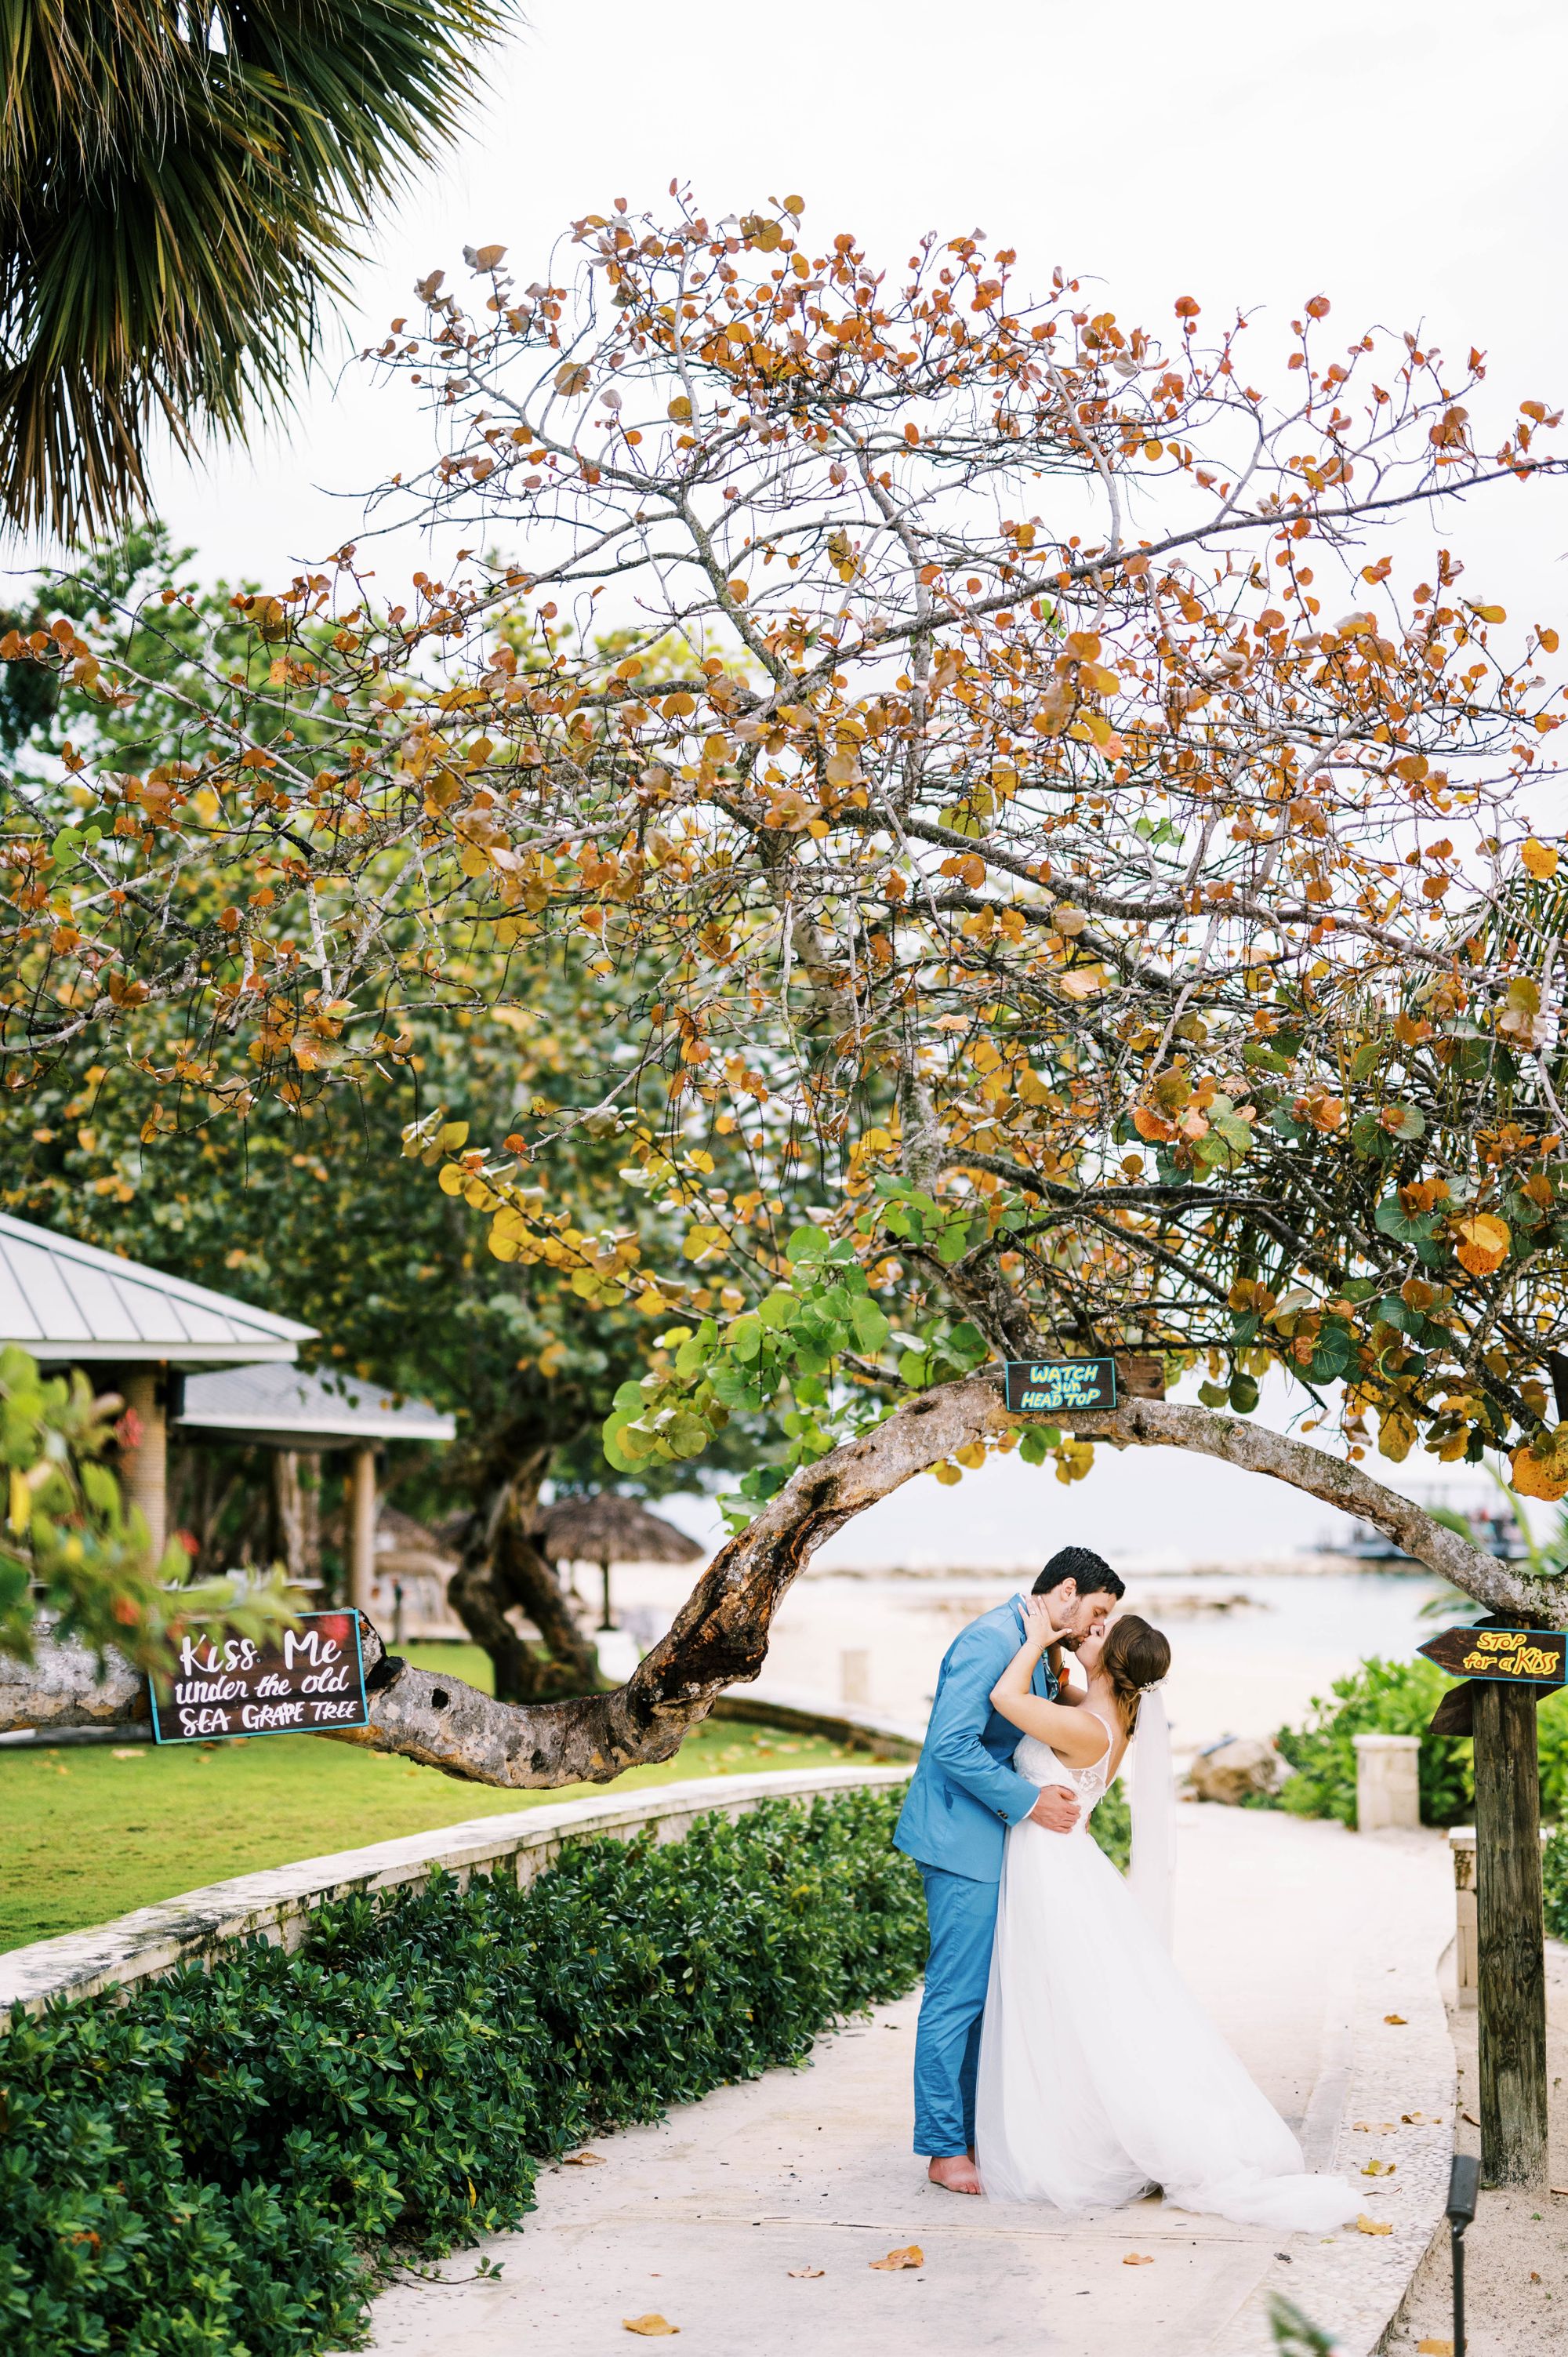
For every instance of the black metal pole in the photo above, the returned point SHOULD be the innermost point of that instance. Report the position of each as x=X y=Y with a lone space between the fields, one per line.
x=1464 y=2191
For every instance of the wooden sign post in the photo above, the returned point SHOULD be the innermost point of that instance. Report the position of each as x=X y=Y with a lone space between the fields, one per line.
x=1508 y=1670
x=314 y=1677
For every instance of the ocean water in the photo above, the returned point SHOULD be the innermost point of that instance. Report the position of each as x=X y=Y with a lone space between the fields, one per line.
x=1250 y=1650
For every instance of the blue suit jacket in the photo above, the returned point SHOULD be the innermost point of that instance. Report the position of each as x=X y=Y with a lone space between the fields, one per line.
x=965 y=1792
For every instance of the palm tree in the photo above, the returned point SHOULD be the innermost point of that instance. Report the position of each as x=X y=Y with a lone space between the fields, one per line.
x=182 y=187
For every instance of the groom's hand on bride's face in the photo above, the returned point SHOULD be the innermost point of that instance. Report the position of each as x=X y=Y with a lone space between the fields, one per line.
x=1057 y=1808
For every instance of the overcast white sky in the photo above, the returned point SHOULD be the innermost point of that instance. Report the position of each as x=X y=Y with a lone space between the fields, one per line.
x=1404 y=157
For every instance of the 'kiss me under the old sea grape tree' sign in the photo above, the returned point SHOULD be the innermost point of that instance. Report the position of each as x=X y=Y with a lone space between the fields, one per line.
x=314 y=1677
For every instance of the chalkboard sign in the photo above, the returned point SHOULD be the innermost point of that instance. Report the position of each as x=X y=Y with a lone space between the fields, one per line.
x=1513 y=1657
x=312 y=1677
x=1059 y=1386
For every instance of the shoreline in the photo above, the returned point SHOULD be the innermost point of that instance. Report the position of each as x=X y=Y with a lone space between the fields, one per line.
x=1293 y=1567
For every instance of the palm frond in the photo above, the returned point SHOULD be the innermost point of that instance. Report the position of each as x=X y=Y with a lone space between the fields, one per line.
x=168 y=239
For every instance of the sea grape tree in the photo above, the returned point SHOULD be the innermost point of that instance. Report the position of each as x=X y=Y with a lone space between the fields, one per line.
x=1067 y=820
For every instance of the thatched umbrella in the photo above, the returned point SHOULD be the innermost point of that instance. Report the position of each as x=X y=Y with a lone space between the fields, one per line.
x=607 y=1528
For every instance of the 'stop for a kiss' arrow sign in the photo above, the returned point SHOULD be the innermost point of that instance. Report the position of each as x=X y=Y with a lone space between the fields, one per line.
x=1514 y=1657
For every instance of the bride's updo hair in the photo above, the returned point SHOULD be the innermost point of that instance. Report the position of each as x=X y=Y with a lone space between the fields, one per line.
x=1135 y=1656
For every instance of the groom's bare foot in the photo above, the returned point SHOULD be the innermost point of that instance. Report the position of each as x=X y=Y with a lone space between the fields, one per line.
x=955 y=2173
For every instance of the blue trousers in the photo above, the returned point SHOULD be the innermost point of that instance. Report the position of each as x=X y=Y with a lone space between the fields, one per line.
x=962 y=1917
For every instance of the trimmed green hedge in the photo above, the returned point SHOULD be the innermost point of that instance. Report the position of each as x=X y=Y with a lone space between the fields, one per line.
x=1399 y=1698
x=205 y=2170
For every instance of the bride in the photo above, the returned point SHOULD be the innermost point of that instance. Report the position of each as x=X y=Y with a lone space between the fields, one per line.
x=1100 y=2078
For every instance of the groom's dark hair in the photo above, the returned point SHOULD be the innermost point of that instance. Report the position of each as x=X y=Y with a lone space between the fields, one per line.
x=1092 y=1573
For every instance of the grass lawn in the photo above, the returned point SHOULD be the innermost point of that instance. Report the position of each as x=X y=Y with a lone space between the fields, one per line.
x=86 y=1834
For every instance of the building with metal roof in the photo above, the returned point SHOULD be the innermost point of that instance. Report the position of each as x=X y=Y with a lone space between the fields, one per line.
x=70 y=1305
x=67 y=1301
x=286 y=1408
x=296 y=1414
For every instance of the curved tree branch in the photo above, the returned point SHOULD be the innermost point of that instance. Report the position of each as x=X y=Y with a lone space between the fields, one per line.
x=720 y=1636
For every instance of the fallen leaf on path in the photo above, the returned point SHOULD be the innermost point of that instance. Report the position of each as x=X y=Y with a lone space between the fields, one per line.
x=1398 y=2019
x=1380 y=2168
x=1474 y=2122
x=650 y=2327
x=810 y=2273
x=1365 y=2225
x=1533 y=2276
x=1562 y=2190
x=136 y=1754
x=1422 y=2119
x=1139 y=2259
x=582 y=2160
x=910 y=2257
x=1435 y=2348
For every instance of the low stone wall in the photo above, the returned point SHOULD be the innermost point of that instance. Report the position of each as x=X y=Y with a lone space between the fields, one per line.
x=275 y=1903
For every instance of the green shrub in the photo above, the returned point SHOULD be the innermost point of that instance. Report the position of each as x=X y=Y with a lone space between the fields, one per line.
x=1399 y=1698
x=1112 y=1826
x=202 y=2171
x=1555 y=1874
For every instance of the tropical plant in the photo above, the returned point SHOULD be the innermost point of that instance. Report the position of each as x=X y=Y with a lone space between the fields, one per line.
x=71 y=1550
x=1382 y=1697
x=182 y=190
x=1294 y=2334
x=993 y=824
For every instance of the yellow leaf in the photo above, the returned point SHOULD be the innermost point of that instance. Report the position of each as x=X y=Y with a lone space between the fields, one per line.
x=1430 y=2348
x=1540 y=859
x=651 y=2327
x=1397 y=2021
x=1484 y=1243
x=1139 y=2259
x=583 y=2160
x=1491 y=613
x=1540 y=1477
x=1380 y=2168
x=810 y=2274
x=452 y=1179
x=910 y=2257
x=572 y=379
x=1365 y=2225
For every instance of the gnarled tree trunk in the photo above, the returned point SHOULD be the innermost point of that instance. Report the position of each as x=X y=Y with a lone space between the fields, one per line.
x=720 y=1636
x=502 y=1568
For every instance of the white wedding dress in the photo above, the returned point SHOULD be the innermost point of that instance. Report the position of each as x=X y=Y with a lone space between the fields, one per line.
x=1101 y=2077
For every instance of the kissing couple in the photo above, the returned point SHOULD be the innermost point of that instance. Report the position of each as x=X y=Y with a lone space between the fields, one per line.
x=1060 y=2058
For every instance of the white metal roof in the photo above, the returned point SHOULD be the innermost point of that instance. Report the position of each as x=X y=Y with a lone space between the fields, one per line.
x=63 y=1300
x=293 y=1410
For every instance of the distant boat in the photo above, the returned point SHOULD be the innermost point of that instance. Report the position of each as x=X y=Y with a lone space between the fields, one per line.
x=1492 y=1528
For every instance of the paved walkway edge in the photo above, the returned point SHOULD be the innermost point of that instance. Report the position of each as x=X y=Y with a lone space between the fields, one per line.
x=1385 y=2096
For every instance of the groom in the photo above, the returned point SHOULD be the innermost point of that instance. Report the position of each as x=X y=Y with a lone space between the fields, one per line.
x=962 y=1797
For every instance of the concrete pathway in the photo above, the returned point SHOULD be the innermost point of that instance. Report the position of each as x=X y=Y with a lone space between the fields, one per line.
x=1300 y=1937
